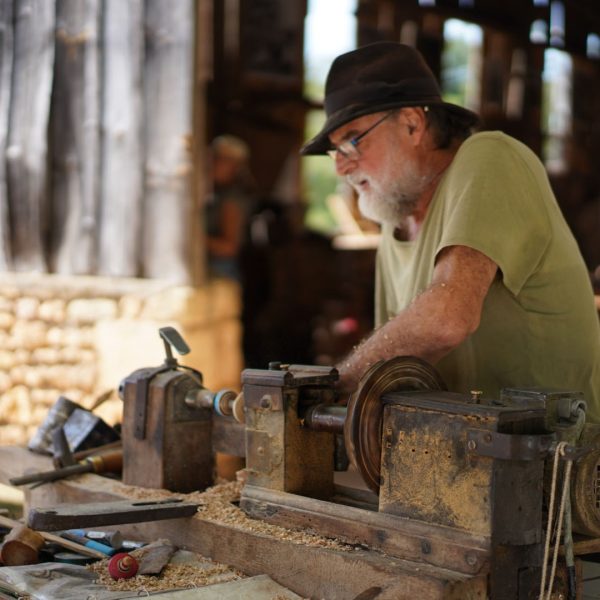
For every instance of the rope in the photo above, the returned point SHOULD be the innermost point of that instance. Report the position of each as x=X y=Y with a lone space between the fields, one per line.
x=559 y=452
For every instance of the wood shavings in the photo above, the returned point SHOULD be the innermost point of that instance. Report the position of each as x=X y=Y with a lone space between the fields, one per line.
x=217 y=506
x=174 y=576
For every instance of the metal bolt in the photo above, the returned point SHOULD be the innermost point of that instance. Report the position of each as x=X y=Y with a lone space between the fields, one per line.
x=260 y=451
x=476 y=396
x=471 y=444
x=265 y=401
x=470 y=559
x=487 y=437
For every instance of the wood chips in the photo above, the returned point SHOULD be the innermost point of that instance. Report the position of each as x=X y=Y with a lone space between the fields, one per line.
x=217 y=506
x=177 y=576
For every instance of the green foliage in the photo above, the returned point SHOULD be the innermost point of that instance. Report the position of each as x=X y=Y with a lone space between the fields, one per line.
x=454 y=70
x=319 y=181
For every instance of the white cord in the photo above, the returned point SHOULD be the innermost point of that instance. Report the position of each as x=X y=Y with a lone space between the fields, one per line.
x=560 y=451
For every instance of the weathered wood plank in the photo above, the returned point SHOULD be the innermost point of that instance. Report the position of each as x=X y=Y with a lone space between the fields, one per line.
x=315 y=572
x=26 y=153
x=309 y=571
x=6 y=65
x=404 y=538
x=168 y=81
x=75 y=137
x=121 y=150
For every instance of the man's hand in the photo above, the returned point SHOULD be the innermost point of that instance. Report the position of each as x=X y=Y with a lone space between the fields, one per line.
x=435 y=322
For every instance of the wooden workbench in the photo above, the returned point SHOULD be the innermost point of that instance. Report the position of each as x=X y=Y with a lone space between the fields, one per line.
x=312 y=572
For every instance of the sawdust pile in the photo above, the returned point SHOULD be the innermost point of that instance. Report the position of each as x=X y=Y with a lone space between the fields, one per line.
x=217 y=506
x=173 y=576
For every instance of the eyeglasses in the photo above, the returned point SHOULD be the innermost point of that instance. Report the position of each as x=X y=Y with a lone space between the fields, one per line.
x=349 y=148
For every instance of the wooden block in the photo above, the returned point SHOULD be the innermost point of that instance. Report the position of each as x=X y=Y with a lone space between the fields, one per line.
x=154 y=557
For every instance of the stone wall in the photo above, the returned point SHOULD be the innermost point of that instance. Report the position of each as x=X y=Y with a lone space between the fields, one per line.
x=80 y=336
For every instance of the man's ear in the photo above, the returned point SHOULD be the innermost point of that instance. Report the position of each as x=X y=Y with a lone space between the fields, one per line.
x=415 y=122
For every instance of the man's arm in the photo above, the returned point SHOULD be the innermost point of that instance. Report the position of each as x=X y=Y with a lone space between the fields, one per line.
x=435 y=322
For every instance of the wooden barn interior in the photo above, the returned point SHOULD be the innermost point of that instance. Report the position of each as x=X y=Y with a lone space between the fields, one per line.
x=109 y=312
x=257 y=90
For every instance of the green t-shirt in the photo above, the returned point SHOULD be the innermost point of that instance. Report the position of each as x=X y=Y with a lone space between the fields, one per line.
x=539 y=326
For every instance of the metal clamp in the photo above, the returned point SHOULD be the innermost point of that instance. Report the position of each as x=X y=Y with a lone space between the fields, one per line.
x=508 y=446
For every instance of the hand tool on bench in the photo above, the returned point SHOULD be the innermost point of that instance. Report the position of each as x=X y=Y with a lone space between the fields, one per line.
x=114 y=539
x=21 y=546
x=79 y=539
x=109 y=462
x=56 y=539
x=68 y=516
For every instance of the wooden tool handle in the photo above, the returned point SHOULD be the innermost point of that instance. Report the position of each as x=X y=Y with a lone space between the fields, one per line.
x=50 y=537
x=21 y=546
x=108 y=462
x=97 y=450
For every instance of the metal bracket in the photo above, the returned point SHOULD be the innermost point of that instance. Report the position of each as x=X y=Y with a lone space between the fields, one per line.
x=508 y=446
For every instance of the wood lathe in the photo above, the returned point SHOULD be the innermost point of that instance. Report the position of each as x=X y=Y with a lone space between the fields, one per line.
x=458 y=487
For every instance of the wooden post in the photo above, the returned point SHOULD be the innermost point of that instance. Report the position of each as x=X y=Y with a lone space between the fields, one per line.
x=74 y=137
x=203 y=73
x=6 y=61
x=121 y=153
x=168 y=77
x=27 y=146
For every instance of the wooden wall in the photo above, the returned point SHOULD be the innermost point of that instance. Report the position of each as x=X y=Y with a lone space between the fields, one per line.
x=97 y=134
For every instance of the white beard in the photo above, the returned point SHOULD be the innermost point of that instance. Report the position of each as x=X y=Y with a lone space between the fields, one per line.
x=392 y=193
x=392 y=207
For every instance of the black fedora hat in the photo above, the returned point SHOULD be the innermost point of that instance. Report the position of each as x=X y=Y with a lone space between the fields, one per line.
x=376 y=78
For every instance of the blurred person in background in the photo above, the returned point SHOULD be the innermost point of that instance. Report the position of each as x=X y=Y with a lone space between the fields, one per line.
x=228 y=207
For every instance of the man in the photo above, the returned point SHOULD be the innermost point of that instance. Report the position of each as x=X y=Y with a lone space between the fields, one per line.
x=477 y=271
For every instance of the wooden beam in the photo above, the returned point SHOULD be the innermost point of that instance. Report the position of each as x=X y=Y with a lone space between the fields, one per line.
x=121 y=154
x=27 y=145
x=6 y=68
x=404 y=538
x=168 y=81
x=75 y=137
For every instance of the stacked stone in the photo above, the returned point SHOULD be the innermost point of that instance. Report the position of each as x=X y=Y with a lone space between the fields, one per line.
x=46 y=350
x=78 y=337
